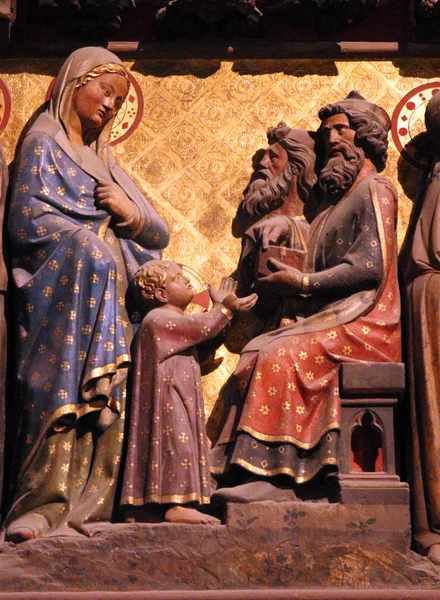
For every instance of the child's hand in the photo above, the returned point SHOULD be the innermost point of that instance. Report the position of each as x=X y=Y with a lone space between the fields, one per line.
x=226 y=295
x=235 y=304
x=226 y=287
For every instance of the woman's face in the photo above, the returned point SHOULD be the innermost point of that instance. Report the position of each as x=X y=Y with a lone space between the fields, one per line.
x=98 y=101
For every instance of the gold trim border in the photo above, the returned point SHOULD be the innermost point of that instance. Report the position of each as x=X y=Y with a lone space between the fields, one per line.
x=77 y=411
x=284 y=470
x=73 y=409
x=169 y=499
x=287 y=438
x=106 y=369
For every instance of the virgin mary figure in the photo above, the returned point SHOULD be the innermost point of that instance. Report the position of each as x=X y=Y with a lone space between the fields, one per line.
x=79 y=228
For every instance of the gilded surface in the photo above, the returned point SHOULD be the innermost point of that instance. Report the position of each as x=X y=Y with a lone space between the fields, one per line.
x=202 y=122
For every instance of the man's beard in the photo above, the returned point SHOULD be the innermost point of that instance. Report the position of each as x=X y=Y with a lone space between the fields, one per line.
x=266 y=192
x=340 y=172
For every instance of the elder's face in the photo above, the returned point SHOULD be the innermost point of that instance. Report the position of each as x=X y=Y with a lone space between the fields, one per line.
x=99 y=100
x=275 y=159
x=337 y=133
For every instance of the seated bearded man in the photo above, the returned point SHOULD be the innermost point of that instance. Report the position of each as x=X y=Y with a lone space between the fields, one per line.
x=281 y=184
x=284 y=406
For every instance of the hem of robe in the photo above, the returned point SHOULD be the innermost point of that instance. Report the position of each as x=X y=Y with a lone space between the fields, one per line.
x=58 y=503
x=166 y=499
x=265 y=437
x=423 y=540
x=248 y=453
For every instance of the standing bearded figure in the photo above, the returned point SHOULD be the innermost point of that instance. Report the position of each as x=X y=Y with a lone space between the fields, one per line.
x=285 y=408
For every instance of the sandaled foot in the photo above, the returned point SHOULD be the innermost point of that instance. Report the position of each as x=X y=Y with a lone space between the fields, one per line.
x=28 y=527
x=191 y=516
x=255 y=491
x=434 y=554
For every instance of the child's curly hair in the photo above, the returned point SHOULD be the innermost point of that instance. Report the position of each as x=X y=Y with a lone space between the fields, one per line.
x=150 y=277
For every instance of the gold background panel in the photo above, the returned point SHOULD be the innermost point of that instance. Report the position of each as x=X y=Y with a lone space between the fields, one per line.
x=202 y=122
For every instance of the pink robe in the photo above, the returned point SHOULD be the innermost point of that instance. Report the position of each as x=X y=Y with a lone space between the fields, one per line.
x=167 y=457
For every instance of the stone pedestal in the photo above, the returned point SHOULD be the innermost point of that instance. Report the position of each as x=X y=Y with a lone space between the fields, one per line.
x=369 y=395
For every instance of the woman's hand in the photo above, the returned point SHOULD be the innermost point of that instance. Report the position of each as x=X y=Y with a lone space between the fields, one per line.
x=284 y=281
x=272 y=232
x=110 y=197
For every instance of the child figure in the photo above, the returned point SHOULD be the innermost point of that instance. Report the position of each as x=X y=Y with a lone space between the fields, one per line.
x=168 y=451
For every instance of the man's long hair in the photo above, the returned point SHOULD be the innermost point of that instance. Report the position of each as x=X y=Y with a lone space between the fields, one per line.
x=300 y=156
x=370 y=135
x=271 y=193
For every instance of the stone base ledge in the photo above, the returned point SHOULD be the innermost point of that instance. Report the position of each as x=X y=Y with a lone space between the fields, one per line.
x=277 y=594
x=286 y=550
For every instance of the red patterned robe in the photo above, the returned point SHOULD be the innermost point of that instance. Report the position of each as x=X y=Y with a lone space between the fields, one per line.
x=285 y=410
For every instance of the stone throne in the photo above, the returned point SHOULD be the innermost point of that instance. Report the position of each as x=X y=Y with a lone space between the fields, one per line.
x=369 y=395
